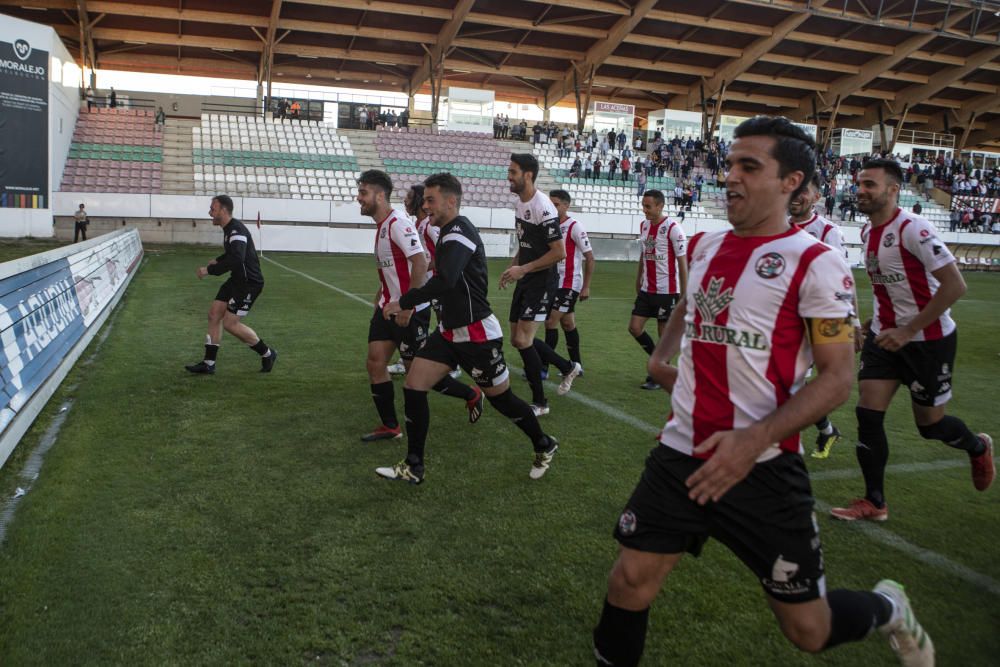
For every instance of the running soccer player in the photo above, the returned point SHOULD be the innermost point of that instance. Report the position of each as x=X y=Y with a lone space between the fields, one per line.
x=237 y=295
x=540 y=248
x=574 y=273
x=401 y=263
x=662 y=274
x=803 y=215
x=760 y=307
x=911 y=339
x=469 y=336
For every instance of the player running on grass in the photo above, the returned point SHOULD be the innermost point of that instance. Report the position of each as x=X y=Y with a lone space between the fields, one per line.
x=469 y=336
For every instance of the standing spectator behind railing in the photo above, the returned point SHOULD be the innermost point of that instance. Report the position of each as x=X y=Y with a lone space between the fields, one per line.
x=159 y=120
x=90 y=98
x=112 y=99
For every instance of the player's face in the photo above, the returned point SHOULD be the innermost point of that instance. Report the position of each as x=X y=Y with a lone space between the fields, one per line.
x=561 y=206
x=756 y=193
x=652 y=209
x=368 y=197
x=876 y=191
x=216 y=212
x=802 y=203
x=441 y=206
x=516 y=177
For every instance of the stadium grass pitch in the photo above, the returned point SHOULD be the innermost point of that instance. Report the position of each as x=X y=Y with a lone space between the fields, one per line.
x=237 y=519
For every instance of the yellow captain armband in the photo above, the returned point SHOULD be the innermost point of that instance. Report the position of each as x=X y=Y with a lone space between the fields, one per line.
x=834 y=330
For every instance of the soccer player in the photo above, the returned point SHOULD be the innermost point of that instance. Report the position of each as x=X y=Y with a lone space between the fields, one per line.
x=662 y=274
x=911 y=339
x=803 y=215
x=540 y=248
x=574 y=273
x=469 y=336
x=401 y=263
x=237 y=295
x=759 y=308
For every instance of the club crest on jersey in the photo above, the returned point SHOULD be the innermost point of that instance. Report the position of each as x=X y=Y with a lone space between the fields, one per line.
x=889 y=239
x=770 y=266
x=627 y=523
x=382 y=232
x=527 y=214
x=711 y=303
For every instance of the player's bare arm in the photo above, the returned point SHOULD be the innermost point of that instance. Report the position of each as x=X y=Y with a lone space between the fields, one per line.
x=682 y=273
x=588 y=270
x=951 y=290
x=659 y=367
x=736 y=451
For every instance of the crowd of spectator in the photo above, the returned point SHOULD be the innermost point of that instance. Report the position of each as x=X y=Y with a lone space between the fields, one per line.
x=373 y=117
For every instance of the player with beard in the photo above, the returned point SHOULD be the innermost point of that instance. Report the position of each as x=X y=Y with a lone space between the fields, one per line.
x=911 y=339
x=759 y=308
x=469 y=336
x=802 y=213
x=533 y=269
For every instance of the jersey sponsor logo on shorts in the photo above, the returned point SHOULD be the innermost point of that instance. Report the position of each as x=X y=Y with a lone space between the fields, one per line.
x=627 y=523
x=770 y=266
x=783 y=578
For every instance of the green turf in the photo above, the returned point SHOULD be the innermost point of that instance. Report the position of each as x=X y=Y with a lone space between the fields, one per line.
x=236 y=519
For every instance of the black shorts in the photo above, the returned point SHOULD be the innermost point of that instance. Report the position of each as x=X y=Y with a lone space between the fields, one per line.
x=659 y=306
x=767 y=520
x=565 y=300
x=923 y=366
x=484 y=362
x=239 y=298
x=408 y=339
x=532 y=299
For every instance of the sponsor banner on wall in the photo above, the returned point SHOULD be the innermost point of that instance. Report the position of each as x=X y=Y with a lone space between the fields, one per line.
x=50 y=311
x=24 y=131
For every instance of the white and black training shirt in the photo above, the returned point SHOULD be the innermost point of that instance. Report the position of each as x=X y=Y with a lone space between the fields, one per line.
x=537 y=226
x=240 y=256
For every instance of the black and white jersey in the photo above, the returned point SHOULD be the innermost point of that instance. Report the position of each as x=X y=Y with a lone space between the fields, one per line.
x=460 y=284
x=537 y=226
x=240 y=256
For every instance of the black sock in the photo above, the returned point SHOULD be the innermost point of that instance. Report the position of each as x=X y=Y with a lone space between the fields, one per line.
x=211 y=351
x=646 y=342
x=873 y=453
x=620 y=636
x=573 y=345
x=823 y=423
x=519 y=412
x=385 y=403
x=853 y=614
x=533 y=372
x=449 y=386
x=549 y=356
x=418 y=419
x=953 y=432
x=552 y=338
x=260 y=347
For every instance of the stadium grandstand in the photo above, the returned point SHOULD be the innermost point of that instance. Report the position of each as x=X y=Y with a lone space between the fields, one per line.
x=234 y=519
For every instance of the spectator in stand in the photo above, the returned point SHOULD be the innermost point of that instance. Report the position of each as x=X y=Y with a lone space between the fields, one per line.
x=626 y=166
x=699 y=182
x=830 y=203
x=678 y=194
x=953 y=220
x=621 y=141
x=597 y=168
x=112 y=99
x=160 y=119
x=296 y=110
x=995 y=227
x=80 y=224
x=588 y=167
x=90 y=98
x=363 y=118
x=574 y=171
x=917 y=208
x=640 y=179
x=404 y=118
x=612 y=168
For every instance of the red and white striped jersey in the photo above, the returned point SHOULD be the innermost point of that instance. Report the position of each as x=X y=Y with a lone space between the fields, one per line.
x=396 y=240
x=745 y=349
x=429 y=237
x=577 y=244
x=829 y=233
x=900 y=256
x=662 y=243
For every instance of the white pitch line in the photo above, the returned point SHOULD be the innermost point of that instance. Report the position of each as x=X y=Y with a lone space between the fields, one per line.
x=876 y=533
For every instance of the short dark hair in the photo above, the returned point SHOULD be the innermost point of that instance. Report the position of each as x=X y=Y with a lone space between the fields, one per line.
x=793 y=148
x=379 y=179
x=561 y=195
x=655 y=194
x=816 y=181
x=418 y=196
x=889 y=166
x=527 y=163
x=446 y=183
x=225 y=201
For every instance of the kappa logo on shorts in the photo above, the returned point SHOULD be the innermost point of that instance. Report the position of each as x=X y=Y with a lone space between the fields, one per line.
x=770 y=266
x=627 y=523
x=783 y=571
x=476 y=372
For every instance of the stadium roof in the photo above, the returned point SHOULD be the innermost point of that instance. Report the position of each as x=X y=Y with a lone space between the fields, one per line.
x=934 y=64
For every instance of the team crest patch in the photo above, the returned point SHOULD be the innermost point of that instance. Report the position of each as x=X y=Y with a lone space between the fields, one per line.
x=770 y=266
x=848 y=282
x=889 y=239
x=627 y=523
x=527 y=214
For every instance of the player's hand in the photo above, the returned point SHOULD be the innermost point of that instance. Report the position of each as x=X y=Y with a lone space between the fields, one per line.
x=893 y=339
x=733 y=460
x=201 y=271
x=403 y=317
x=212 y=262
x=859 y=338
x=390 y=309
x=584 y=294
x=664 y=375
x=511 y=275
